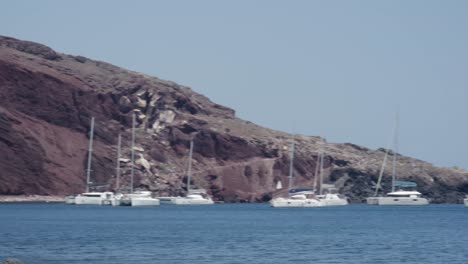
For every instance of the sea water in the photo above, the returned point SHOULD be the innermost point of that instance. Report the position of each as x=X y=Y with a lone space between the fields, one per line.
x=233 y=233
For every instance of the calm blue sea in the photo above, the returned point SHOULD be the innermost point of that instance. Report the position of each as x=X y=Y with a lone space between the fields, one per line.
x=233 y=233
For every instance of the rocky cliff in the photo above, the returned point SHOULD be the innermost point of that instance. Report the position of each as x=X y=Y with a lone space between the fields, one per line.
x=47 y=99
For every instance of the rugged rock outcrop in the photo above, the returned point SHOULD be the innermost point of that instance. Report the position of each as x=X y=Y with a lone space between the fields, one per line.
x=11 y=261
x=48 y=98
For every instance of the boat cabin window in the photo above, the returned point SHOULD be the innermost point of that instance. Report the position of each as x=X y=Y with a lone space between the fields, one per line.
x=92 y=195
x=399 y=195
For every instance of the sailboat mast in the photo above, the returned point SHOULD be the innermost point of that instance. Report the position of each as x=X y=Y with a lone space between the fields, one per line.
x=117 y=169
x=291 y=164
x=395 y=151
x=133 y=153
x=317 y=165
x=90 y=154
x=377 y=187
x=321 y=171
x=189 y=171
x=384 y=163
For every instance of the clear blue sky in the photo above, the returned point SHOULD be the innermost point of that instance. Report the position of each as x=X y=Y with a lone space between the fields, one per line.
x=335 y=68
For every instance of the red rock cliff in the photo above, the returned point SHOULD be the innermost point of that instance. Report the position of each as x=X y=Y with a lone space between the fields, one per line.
x=48 y=98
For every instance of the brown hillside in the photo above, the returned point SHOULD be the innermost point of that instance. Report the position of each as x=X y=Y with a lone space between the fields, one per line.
x=48 y=98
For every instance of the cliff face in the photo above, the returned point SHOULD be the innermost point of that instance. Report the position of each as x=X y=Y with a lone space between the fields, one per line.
x=48 y=98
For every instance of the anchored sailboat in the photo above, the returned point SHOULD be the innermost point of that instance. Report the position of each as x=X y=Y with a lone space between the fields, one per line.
x=296 y=197
x=396 y=197
x=194 y=196
x=330 y=197
x=138 y=198
x=96 y=198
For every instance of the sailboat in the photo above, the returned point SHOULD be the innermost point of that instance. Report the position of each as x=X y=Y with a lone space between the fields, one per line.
x=137 y=198
x=296 y=197
x=400 y=196
x=465 y=201
x=330 y=197
x=194 y=196
x=96 y=198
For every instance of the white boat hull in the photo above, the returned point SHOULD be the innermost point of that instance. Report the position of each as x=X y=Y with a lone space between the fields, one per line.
x=166 y=200
x=338 y=202
x=69 y=199
x=79 y=200
x=125 y=202
x=332 y=200
x=286 y=202
x=94 y=198
x=141 y=198
x=189 y=201
x=466 y=202
x=115 y=202
x=397 y=201
x=141 y=201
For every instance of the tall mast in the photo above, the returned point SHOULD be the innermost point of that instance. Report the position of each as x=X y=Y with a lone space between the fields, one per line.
x=291 y=164
x=384 y=163
x=317 y=165
x=90 y=154
x=117 y=169
x=381 y=171
x=189 y=170
x=321 y=170
x=395 y=151
x=133 y=153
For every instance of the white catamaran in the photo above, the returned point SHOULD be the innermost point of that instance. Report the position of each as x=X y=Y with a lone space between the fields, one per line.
x=96 y=198
x=328 y=198
x=194 y=196
x=396 y=197
x=137 y=198
x=296 y=197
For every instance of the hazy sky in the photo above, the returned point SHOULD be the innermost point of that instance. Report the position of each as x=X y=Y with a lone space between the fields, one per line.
x=335 y=68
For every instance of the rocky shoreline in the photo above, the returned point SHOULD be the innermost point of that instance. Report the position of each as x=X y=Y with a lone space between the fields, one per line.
x=31 y=199
x=12 y=261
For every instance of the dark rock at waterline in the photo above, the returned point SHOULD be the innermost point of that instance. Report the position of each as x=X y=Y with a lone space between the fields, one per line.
x=12 y=261
x=47 y=100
